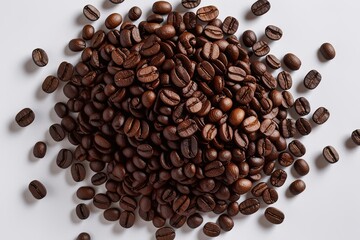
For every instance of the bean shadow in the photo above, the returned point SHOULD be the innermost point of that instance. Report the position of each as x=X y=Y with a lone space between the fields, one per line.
x=68 y=52
x=13 y=126
x=179 y=8
x=288 y=194
x=28 y=198
x=249 y=16
x=29 y=66
x=107 y=4
x=81 y=20
x=69 y=180
x=54 y=168
x=40 y=94
x=294 y=173
x=320 y=56
x=31 y=156
x=320 y=162
x=349 y=144
x=74 y=218
x=265 y=224
x=201 y=236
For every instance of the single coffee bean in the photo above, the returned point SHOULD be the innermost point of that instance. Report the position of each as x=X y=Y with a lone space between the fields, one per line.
x=57 y=132
x=270 y=196
x=236 y=116
x=82 y=211
x=211 y=229
x=214 y=169
x=258 y=190
x=312 y=79
x=187 y=128
x=302 y=106
x=249 y=38
x=209 y=132
x=37 y=189
x=85 y=193
x=190 y=3
x=355 y=136
x=321 y=115
x=230 y=25
x=249 y=206
x=128 y=203
x=116 y=1
x=288 y=128
x=274 y=215
x=297 y=187
x=328 y=51
x=25 y=117
x=127 y=219
x=64 y=158
x=261 y=48
x=61 y=109
x=91 y=12
x=330 y=154
x=113 y=21
x=134 y=13
x=292 y=61
x=50 y=84
x=194 y=220
x=301 y=167
x=285 y=159
x=278 y=178
x=284 y=80
x=77 y=45
x=40 y=57
x=87 y=32
x=303 y=126
x=273 y=32
x=83 y=236
x=112 y=214
x=78 y=172
x=272 y=61
x=165 y=233
x=207 y=13
x=260 y=7
x=161 y=7
x=268 y=127
x=65 y=71
x=101 y=201
x=226 y=223
x=99 y=178
x=39 y=149
x=297 y=148
x=189 y=147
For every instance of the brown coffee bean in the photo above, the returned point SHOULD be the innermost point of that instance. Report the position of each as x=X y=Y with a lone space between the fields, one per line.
x=209 y=132
x=249 y=206
x=211 y=229
x=127 y=219
x=65 y=71
x=330 y=154
x=187 y=128
x=278 y=178
x=50 y=84
x=85 y=193
x=83 y=236
x=161 y=7
x=273 y=32
x=297 y=187
x=292 y=61
x=258 y=190
x=40 y=57
x=312 y=79
x=249 y=38
x=284 y=80
x=303 y=126
x=77 y=45
x=230 y=25
x=328 y=51
x=270 y=196
x=226 y=223
x=37 y=189
x=272 y=61
x=25 y=117
x=165 y=233
x=88 y=32
x=169 y=97
x=78 y=172
x=297 y=148
x=260 y=7
x=207 y=13
x=274 y=215
x=194 y=220
x=261 y=48
x=190 y=3
x=82 y=211
x=134 y=13
x=39 y=149
x=91 y=12
x=321 y=115
x=112 y=214
x=301 y=167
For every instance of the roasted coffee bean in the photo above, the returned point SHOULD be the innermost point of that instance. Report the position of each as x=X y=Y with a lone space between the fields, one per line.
x=251 y=124
x=272 y=61
x=91 y=12
x=116 y=1
x=292 y=61
x=260 y=7
x=61 y=109
x=98 y=178
x=249 y=206
x=355 y=136
x=258 y=190
x=236 y=74
x=321 y=115
x=37 y=189
x=101 y=201
x=211 y=51
x=236 y=116
x=165 y=233
x=77 y=45
x=330 y=154
x=25 y=117
x=169 y=97
x=65 y=71
x=302 y=106
x=270 y=196
x=127 y=219
x=274 y=215
x=312 y=79
x=267 y=127
x=297 y=148
x=187 y=128
x=303 y=126
x=64 y=158
x=88 y=32
x=82 y=211
x=297 y=187
x=39 y=150
x=211 y=229
x=190 y=3
x=288 y=128
x=57 y=132
x=134 y=13
x=328 y=51
x=284 y=80
x=278 y=178
x=273 y=32
x=208 y=13
x=83 y=236
x=249 y=38
x=128 y=203
x=161 y=7
x=78 y=172
x=301 y=167
x=40 y=57
x=285 y=159
x=50 y=84
x=113 y=20
x=209 y=132
x=232 y=209
x=194 y=220
x=189 y=147
x=261 y=48
x=145 y=150
x=112 y=214
x=230 y=25
x=85 y=193
x=226 y=223
x=214 y=169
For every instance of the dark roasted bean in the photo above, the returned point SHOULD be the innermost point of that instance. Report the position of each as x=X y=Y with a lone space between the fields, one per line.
x=321 y=115
x=37 y=189
x=260 y=7
x=330 y=154
x=297 y=187
x=208 y=13
x=40 y=57
x=91 y=12
x=328 y=51
x=25 y=117
x=312 y=79
x=211 y=229
x=274 y=215
x=273 y=32
x=249 y=206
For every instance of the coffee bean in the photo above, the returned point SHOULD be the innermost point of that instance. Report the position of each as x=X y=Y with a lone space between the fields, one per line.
x=39 y=150
x=65 y=71
x=91 y=12
x=230 y=25
x=112 y=214
x=249 y=38
x=190 y=3
x=77 y=45
x=258 y=190
x=209 y=132
x=208 y=13
x=98 y=178
x=145 y=150
x=330 y=154
x=85 y=193
x=128 y=203
x=303 y=126
x=267 y=127
x=165 y=233
x=328 y=51
x=284 y=80
x=25 y=117
x=50 y=84
x=274 y=215
x=187 y=128
x=321 y=115
x=205 y=70
x=78 y=172
x=312 y=79
x=57 y=132
x=251 y=124
x=272 y=61
x=297 y=148
x=61 y=109
x=87 y=32
x=83 y=236
x=64 y=158
x=297 y=187
x=292 y=61
x=273 y=32
x=355 y=136
x=288 y=128
x=270 y=196
x=249 y=206
x=169 y=97
x=40 y=57
x=211 y=229
x=261 y=48
x=101 y=201
x=189 y=147
x=161 y=7
x=301 y=167
x=116 y=1
x=82 y=211
x=127 y=219
x=302 y=106
x=285 y=159
x=214 y=169
x=134 y=13
x=37 y=189
x=278 y=178
x=236 y=74
x=113 y=20
x=260 y=7
x=195 y=220
x=232 y=209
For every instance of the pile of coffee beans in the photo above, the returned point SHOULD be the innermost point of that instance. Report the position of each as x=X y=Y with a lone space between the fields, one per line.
x=177 y=116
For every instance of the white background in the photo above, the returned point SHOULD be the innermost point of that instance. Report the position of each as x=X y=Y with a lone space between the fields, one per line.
x=328 y=209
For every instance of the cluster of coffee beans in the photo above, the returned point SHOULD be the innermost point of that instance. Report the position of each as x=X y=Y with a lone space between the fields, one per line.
x=178 y=116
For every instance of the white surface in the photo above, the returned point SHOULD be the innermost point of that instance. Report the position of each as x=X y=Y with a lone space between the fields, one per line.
x=328 y=209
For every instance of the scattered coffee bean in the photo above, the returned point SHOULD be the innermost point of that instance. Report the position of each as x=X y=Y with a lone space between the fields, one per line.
x=116 y=1
x=312 y=79
x=273 y=32
x=134 y=13
x=284 y=80
x=39 y=149
x=162 y=7
x=83 y=236
x=258 y=190
x=91 y=12
x=260 y=7
x=301 y=167
x=25 y=117
x=113 y=20
x=82 y=211
x=330 y=154
x=50 y=84
x=127 y=219
x=328 y=51
x=249 y=206
x=230 y=25
x=165 y=233
x=208 y=13
x=226 y=223
x=190 y=3
x=57 y=132
x=270 y=196
x=40 y=57
x=303 y=126
x=272 y=61
x=261 y=48
x=355 y=136
x=292 y=61
x=77 y=45
x=88 y=32
x=321 y=115
x=37 y=189
x=78 y=172
x=249 y=38
x=112 y=214
x=297 y=187
x=278 y=178
x=302 y=106
x=85 y=193
x=297 y=148
x=274 y=215
x=194 y=220
x=211 y=229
